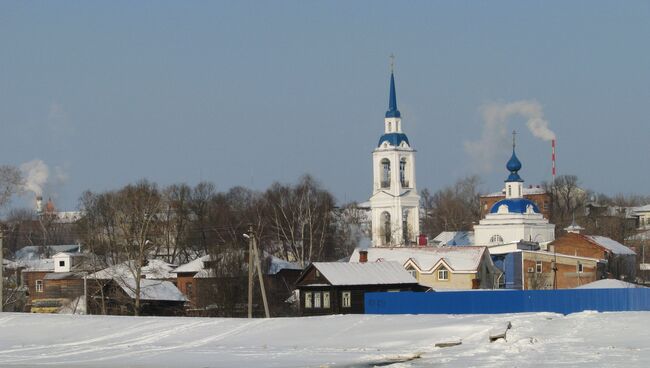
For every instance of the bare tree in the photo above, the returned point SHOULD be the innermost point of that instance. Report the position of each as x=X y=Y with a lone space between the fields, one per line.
x=11 y=182
x=453 y=208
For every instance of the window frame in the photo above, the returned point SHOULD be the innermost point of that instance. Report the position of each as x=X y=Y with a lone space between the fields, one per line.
x=539 y=267
x=326 y=300
x=346 y=299
x=580 y=268
x=317 y=300
x=38 y=286
x=62 y=263
x=445 y=271
x=308 y=300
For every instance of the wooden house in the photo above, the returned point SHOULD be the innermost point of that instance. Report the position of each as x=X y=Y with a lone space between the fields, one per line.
x=339 y=287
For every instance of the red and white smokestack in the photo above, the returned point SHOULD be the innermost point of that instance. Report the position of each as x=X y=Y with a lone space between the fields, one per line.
x=553 y=158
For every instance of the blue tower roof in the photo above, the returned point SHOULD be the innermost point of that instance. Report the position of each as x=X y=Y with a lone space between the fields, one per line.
x=392 y=100
x=513 y=165
x=394 y=139
x=515 y=205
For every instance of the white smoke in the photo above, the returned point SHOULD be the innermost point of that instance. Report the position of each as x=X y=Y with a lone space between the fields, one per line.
x=496 y=133
x=35 y=173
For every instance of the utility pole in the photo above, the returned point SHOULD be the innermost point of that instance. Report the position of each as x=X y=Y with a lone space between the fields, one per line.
x=254 y=261
x=261 y=277
x=250 y=271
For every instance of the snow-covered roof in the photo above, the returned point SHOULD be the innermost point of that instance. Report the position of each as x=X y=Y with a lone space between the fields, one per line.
x=37 y=265
x=152 y=289
x=458 y=258
x=192 y=266
x=278 y=264
x=636 y=210
x=609 y=284
x=454 y=238
x=610 y=244
x=527 y=191
x=375 y=273
x=155 y=269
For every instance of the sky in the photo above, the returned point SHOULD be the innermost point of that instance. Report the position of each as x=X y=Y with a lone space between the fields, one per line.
x=95 y=95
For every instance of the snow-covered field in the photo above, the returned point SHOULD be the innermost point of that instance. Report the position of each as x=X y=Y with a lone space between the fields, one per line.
x=586 y=339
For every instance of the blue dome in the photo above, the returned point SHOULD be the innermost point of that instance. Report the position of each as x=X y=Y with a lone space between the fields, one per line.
x=394 y=139
x=515 y=205
x=513 y=164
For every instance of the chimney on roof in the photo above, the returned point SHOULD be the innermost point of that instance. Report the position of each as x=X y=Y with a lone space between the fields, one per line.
x=363 y=256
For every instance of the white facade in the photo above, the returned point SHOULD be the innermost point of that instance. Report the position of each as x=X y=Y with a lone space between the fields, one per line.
x=62 y=262
x=395 y=202
x=514 y=218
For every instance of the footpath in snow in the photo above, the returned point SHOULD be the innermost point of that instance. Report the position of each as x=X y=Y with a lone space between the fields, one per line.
x=585 y=339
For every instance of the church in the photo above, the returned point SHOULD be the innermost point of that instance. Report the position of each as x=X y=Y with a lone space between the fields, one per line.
x=395 y=203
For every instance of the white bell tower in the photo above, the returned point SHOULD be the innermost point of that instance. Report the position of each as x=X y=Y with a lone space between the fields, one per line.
x=395 y=202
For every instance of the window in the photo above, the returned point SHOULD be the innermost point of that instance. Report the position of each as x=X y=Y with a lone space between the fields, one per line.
x=388 y=232
x=385 y=177
x=389 y=126
x=39 y=286
x=317 y=273
x=346 y=299
x=580 y=268
x=509 y=191
x=496 y=239
x=443 y=274
x=316 y=300
x=402 y=173
x=308 y=300
x=538 y=267
x=61 y=263
x=326 y=299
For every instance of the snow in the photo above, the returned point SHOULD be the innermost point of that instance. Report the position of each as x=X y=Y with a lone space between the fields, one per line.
x=385 y=273
x=155 y=269
x=612 y=245
x=192 y=266
x=152 y=289
x=609 y=284
x=585 y=339
x=459 y=258
x=454 y=238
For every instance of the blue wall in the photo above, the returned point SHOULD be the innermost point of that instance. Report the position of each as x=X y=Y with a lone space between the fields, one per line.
x=508 y=301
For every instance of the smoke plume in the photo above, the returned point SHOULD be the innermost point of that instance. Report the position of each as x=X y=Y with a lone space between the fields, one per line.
x=35 y=173
x=496 y=134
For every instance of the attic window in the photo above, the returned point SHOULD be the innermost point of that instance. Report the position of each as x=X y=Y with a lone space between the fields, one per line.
x=443 y=274
x=61 y=263
x=317 y=273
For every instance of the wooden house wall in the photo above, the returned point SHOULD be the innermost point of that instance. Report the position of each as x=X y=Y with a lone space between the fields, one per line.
x=63 y=288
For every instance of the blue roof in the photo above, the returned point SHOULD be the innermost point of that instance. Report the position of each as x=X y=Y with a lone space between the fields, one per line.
x=513 y=165
x=392 y=100
x=515 y=205
x=394 y=139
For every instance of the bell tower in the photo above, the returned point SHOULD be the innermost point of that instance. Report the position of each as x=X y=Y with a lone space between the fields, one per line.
x=395 y=202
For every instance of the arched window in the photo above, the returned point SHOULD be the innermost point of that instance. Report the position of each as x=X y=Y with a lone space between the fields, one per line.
x=402 y=173
x=385 y=219
x=389 y=126
x=385 y=175
x=496 y=239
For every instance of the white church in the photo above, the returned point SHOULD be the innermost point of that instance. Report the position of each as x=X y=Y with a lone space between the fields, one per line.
x=395 y=203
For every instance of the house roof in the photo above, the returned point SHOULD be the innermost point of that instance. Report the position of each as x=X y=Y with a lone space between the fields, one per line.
x=610 y=244
x=36 y=251
x=37 y=265
x=198 y=266
x=458 y=258
x=609 y=284
x=193 y=266
x=155 y=269
x=375 y=273
x=454 y=238
x=152 y=290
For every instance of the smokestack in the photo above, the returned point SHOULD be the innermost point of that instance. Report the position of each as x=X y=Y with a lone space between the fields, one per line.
x=39 y=205
x=553 y=158
x=363 y=256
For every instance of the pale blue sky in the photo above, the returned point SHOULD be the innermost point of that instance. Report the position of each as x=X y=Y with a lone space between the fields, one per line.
x=247 y=93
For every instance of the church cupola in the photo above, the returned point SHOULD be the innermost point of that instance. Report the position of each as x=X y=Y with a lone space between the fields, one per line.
x=514 y=183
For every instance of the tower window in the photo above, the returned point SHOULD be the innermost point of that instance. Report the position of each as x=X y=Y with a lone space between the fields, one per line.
x=385 y=177
x=402 y=173
x=390 y=127
x=387 y=227
x=496 y=239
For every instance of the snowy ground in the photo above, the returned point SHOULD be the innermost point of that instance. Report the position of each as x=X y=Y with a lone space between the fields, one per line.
x=586 y=339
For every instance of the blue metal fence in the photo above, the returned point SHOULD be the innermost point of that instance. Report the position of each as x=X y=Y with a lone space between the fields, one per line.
x=509 y=301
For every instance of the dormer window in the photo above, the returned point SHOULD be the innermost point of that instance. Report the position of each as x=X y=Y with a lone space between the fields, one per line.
x=61 y=263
